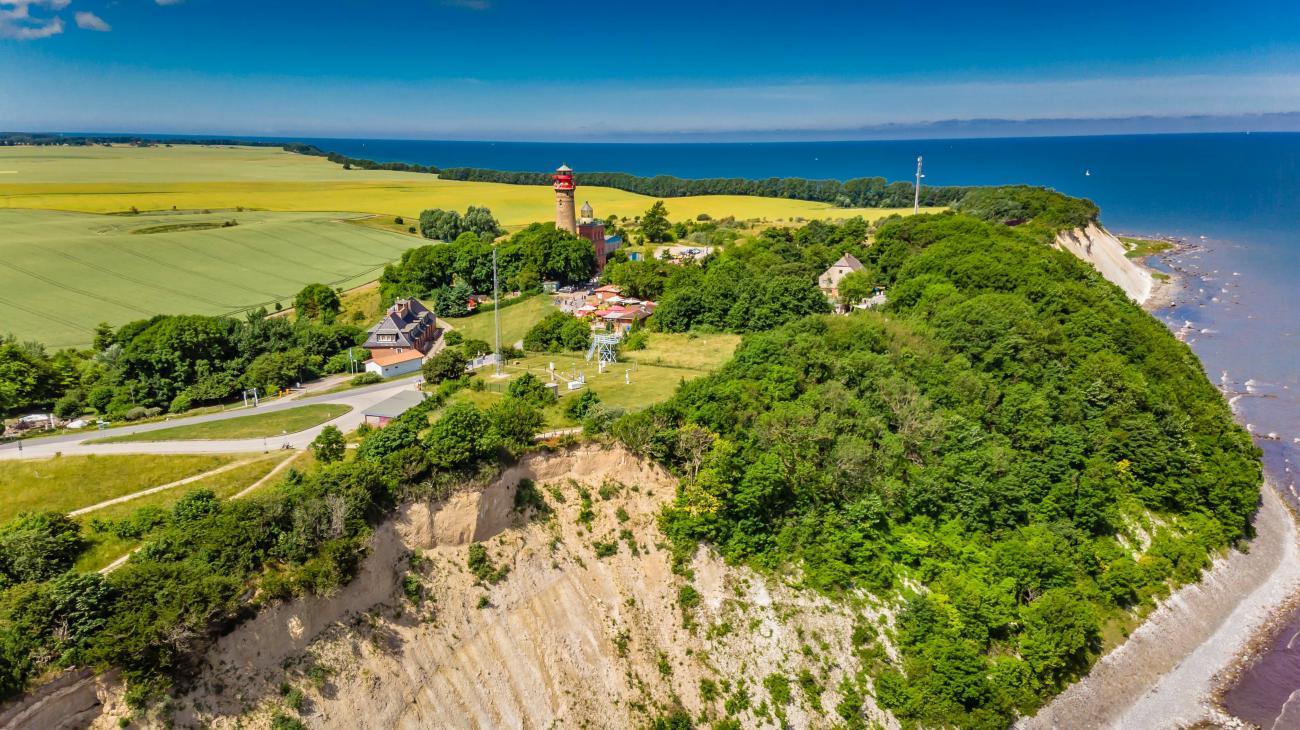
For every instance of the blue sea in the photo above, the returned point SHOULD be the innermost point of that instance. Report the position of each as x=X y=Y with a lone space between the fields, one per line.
x=1234 y=199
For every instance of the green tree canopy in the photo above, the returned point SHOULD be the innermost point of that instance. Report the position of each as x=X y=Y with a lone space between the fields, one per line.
x=317 y=301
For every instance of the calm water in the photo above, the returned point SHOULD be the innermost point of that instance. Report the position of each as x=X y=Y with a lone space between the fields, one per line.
x=1234 y=197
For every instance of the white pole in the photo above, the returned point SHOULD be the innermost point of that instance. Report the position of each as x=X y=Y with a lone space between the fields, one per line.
x=496 y=307
x=916 y=193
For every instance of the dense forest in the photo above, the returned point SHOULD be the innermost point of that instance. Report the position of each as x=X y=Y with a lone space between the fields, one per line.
x=1011 y=454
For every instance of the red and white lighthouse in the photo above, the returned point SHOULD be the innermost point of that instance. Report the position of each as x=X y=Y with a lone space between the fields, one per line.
x=565 y=217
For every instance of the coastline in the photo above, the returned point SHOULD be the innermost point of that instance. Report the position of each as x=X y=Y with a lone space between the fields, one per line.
x=1167 y=674
x=1179 y=667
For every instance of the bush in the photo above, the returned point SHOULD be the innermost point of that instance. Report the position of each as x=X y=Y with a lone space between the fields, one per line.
x=367 y=378
x=36 y=546
x=530 y=389
x=71 y=405
x=453 y=337
x=136 y=413
x=580 y=405
x=636 y=341
x=181 y=403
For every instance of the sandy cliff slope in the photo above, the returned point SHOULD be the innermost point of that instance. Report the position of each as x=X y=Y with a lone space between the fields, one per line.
x=566 y=638
x=1105 y=252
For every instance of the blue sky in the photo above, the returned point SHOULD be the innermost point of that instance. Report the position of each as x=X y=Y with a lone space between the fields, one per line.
x=520 y=69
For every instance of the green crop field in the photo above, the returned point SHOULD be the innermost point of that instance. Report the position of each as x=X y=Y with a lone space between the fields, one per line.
x=259 y=425
x=62 y=273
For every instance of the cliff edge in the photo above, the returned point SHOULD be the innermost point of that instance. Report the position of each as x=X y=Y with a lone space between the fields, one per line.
x=1105 y=252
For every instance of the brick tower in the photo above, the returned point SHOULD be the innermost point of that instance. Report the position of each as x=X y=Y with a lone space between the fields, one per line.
x=565 y=218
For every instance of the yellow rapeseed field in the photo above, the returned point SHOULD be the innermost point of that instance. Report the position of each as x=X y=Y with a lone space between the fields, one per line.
x=115 y=179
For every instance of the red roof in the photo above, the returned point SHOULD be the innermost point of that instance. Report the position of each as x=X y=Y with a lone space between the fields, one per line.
x=610 y=287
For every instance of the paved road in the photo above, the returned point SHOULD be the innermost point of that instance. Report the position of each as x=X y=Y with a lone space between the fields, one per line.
x=73 y=444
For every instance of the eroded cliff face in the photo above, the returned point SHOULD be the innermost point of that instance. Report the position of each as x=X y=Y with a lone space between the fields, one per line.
x=587 y=628
x=1105 y=252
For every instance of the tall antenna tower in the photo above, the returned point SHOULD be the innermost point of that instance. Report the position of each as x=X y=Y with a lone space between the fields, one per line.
x=916 y=193
x=496 y=308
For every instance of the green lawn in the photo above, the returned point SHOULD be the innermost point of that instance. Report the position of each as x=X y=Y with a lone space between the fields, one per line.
x=291 y=420
x=105 y=547
x=65 y=483
x=516 y=320
x=63 y=273
x=643 y=378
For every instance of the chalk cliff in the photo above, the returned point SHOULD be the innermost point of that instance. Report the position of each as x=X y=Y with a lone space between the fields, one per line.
x=1105 y=252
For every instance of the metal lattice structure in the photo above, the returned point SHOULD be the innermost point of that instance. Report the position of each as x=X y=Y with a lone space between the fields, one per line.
x=605 y=346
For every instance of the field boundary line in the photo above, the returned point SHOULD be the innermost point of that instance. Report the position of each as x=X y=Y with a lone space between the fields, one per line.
x=162 y=487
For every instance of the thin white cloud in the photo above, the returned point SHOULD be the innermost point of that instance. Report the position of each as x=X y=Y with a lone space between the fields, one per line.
x=90 y=21
x=17 y=22
x=469 y=4
x=169 y=2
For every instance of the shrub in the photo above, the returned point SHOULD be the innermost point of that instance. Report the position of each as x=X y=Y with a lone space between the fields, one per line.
x=580 y=405
x=636 y=341
x=71 y=404
x=181 y=403
x=481 y=565
x=530 y=389
x=135 y=413
x=367 y=378
x=36 y=546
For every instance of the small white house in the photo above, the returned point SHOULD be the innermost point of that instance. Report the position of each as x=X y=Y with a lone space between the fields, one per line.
x=391 y=365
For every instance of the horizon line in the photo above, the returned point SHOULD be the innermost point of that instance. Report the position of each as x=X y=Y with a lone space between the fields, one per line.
x=941 y=130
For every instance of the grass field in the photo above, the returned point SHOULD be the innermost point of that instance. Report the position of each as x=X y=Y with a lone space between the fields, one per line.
x=110 y=180
x=105 y=547
x=642 y=378
x=66 y=483
x=290 y=420
x=62 y=273
x=516 y=320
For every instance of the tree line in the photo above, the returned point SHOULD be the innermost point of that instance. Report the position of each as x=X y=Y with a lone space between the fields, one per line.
x=449 y=273
x=862 y=192
x=176 y=362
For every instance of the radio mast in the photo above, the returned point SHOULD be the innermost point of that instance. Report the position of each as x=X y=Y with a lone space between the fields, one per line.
x=916 y=193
